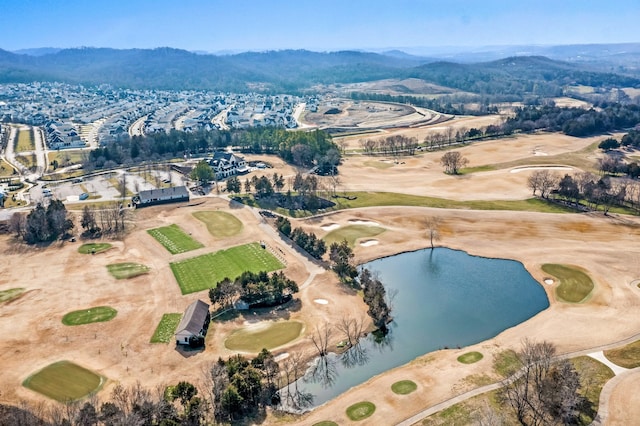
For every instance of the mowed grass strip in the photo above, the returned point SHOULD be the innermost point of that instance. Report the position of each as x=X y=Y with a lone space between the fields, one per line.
x=203 y=272
x=64 y=381
x=254 y=338
x=404 y=387
x=94 y=248
x=575 y=286
x=174 y=239
x=88 y=316
x=373 y=199
x=627 y=356
x=351 y=233
x=11 y=294
x=166 y=328
x=25 y=141
x=220 y=224
x=127 y=270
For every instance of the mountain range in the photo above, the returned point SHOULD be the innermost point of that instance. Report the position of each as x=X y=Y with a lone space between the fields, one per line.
x=298 y=70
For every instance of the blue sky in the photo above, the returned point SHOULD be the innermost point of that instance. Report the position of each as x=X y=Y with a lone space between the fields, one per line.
x=213 y=25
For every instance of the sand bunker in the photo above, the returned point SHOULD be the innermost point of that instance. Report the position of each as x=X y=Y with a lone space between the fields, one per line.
x=548 y=281
x=330 y=226
x=321 y=301
x=368 y=243
x=363 y=222
x=528 y=168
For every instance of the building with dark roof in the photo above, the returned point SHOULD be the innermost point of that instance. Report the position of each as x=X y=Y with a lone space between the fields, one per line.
x=194 y=323
x=175 y=194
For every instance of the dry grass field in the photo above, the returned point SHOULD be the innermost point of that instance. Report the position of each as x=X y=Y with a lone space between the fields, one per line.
x=58 y=279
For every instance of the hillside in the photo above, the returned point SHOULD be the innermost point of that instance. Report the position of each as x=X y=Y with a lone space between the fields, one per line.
x=296 y=70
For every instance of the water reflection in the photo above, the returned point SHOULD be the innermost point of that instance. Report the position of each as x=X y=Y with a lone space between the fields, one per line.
x=443 y=298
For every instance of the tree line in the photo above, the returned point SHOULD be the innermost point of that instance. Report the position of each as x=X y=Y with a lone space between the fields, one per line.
x=304 y=149
x=256 y=289
x=47 y=224
x=307 y=241
x=446 y=104
x=585 y=190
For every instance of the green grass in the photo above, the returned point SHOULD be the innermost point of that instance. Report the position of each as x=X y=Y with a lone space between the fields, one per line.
x=94 y=248
x=477 y=169
x=404 y=387
x=372 y=199
x=127 y=270
x=204 y=272
x=64 y=381
x=220 y=224
x=593 y=376
x=11 y=294
x=506 y=363
x=166 y=328
x=360 y=410
x=575 y=286
x=254 y=339
x=470 y=357
x=88 y=316
x=326 y=423
x=627 y=356
x=470 y=411
x=351 y=233
x=174 y=239
x=25 y=141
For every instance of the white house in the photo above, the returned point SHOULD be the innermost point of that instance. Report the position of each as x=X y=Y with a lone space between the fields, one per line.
x=194 y=323
x=225 y=164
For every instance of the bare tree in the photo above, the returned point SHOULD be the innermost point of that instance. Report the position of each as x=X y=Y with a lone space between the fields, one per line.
x=545 y=390
x=17 y=224
x=351 y=328
x=320 y=338
x=452 y=162
x=433 y=229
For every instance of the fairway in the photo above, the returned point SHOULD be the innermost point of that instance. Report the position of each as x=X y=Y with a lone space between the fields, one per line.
x=203 y=272
x=575 y=286
x=220 y=224
x=166 y=328
x=174 y=239
x=254 y=338
x=127 y=270
x=87 y=316
x=93 y=248
x=64 y=381
x=351 y=233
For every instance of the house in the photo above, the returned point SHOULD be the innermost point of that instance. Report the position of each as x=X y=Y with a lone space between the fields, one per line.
x=225 y=164
x=194 y=323
x=153 y=197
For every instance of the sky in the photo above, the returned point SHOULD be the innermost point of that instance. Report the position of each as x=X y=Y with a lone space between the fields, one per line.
x=320 y=25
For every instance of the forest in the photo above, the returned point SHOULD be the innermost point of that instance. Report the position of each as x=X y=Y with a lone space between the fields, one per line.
x=304 y=149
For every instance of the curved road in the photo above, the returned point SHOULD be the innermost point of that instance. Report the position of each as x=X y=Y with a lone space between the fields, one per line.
x=603 y=408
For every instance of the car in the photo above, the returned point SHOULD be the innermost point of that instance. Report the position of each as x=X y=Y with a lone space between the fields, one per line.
x=84 y=196
x=76 y=180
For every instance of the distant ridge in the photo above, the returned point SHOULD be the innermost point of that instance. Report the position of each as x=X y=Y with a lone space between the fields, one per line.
x=291 y=71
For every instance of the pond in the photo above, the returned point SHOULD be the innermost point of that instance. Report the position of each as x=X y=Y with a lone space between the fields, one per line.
x=442 y=298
